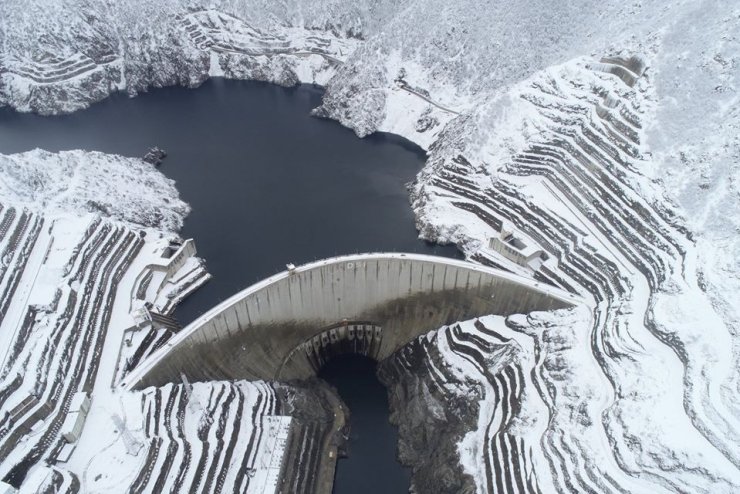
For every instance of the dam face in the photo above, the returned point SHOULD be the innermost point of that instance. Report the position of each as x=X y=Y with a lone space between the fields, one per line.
x=287 y=326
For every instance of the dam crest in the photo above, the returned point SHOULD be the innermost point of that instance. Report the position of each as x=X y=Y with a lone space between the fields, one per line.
x=286 y=326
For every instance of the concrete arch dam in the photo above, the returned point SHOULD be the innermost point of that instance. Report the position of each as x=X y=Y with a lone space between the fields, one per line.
x=286 y=326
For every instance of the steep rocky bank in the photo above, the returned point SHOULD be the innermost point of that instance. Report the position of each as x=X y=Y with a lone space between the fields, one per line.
x=431 y=420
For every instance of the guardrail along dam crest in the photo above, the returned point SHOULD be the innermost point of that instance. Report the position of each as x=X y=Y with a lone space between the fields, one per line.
x=287 y=326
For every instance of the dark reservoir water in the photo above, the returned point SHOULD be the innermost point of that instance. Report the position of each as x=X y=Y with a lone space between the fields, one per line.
x=268 y=184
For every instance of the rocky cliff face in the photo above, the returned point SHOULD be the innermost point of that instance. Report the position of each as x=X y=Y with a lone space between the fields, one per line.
x=432 y=417
x=468 y=410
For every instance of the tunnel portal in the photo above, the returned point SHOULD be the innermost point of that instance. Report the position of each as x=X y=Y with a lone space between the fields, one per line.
x=287 y=326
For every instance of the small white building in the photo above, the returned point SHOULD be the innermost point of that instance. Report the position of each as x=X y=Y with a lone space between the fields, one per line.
x=516 y=248
x=75 y=421
x=72 y=426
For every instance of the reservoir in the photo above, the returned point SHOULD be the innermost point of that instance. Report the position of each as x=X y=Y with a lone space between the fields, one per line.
x=268 y=185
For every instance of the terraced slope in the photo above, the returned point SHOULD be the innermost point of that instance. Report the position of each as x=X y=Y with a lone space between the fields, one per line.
x=72 y=304
x=447 y=385
x=41 y=375
x=575 y=188
x=231 y=437
x=67 y=305
x=174 y=464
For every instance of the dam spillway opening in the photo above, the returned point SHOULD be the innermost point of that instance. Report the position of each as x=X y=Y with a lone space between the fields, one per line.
x=344 y=338
x=345 y=356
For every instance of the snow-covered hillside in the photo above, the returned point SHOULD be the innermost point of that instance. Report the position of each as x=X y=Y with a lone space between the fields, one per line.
x=601 y=137
x=90 y=275
x=79 y=182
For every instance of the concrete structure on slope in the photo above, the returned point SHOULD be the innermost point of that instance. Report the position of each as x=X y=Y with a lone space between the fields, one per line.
x=286 y=326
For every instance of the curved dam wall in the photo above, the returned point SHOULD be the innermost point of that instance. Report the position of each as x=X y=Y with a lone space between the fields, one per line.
x=370 y=303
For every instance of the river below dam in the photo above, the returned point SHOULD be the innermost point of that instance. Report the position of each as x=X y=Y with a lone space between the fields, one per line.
x=268 y=185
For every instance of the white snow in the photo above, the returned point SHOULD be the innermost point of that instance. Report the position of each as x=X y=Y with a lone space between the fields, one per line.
x=640 y=395
x=78 y=182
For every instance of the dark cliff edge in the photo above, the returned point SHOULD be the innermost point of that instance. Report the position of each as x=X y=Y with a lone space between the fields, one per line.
x=431 y=419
